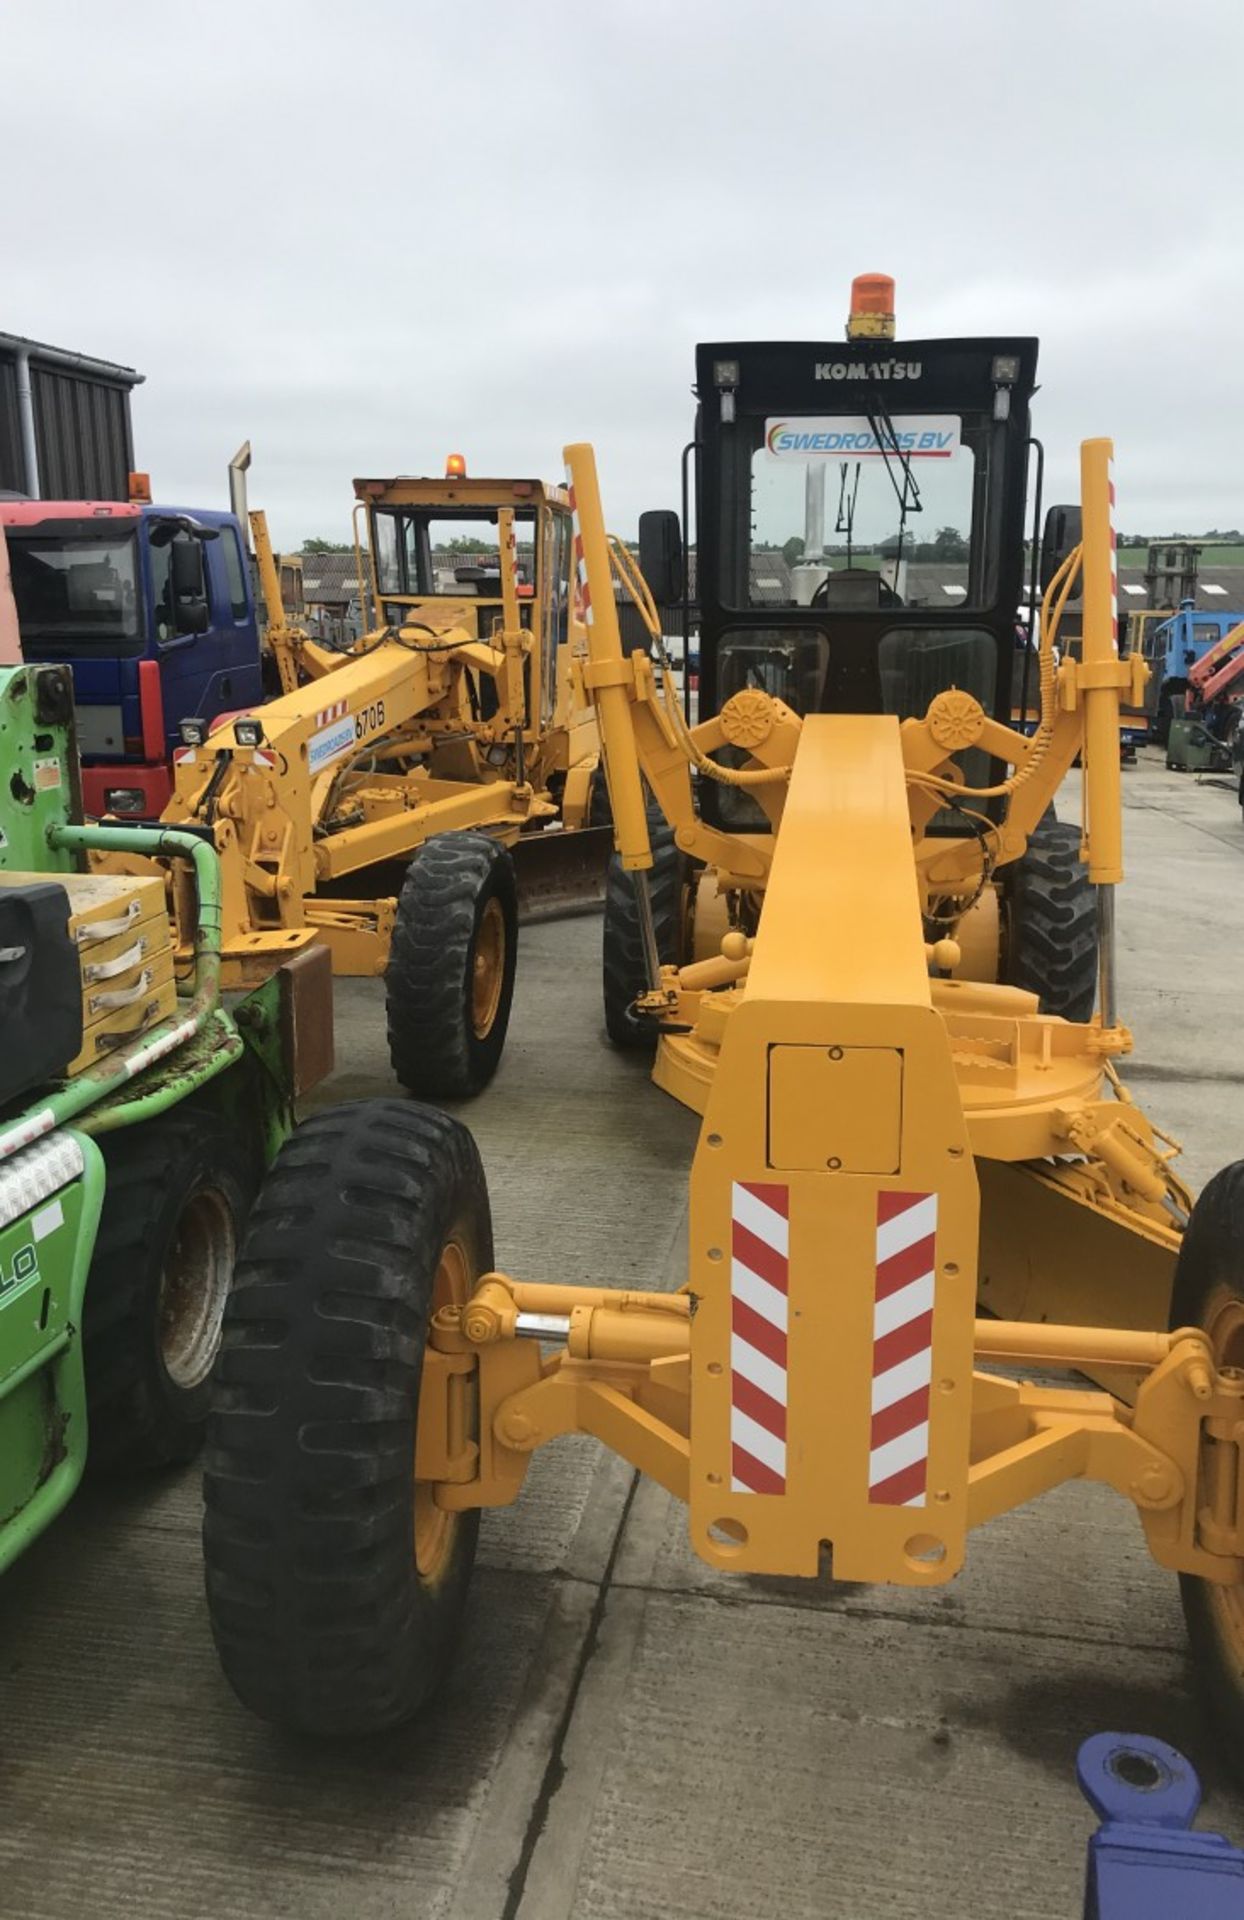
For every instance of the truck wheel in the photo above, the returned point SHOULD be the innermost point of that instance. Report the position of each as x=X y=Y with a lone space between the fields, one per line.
x=1051 y=946
x=450 y=977
x=1209 y=1293
x=624 y=974
x=335 y=1585
x=175 y=1205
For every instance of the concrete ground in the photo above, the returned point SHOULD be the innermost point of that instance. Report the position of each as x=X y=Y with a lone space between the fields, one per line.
x=626 y=1733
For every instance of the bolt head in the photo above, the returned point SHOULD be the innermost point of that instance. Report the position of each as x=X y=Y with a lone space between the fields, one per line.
x=518 y=1429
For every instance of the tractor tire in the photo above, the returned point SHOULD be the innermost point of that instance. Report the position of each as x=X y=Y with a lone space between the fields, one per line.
x=450 y=978
x=178 y=1193
x=1209 y=1293
x=1051 y=945
x=335 y=1585
x=625 y=977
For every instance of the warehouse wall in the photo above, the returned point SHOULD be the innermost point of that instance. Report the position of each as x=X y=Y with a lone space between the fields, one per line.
x=83 y=436
x=12 y=472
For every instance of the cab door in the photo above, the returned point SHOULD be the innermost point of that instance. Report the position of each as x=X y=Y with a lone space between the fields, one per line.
x=207 y=644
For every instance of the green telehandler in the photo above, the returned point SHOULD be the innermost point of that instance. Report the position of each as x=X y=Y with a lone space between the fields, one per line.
x=138 y=1114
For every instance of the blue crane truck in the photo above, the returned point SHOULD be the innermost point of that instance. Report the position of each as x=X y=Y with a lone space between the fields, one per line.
x=1173 y=647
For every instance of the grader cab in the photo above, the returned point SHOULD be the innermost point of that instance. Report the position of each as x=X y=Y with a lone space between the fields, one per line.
x=919 y=1174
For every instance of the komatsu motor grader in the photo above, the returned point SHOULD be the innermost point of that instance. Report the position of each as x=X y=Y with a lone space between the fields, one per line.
x=914 y=1181
x=370 y=808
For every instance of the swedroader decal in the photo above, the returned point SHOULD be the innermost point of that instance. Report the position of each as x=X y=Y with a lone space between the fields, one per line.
x=920 y=436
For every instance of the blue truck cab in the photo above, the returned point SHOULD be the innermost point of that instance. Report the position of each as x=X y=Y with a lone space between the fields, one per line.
x=153 y=609
x=1172 y=647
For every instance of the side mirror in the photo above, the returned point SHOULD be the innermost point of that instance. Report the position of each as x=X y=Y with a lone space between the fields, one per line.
x=187 y=559
x=660 y=556
x=192 y=616
x=1063 y=533
x=189 y=589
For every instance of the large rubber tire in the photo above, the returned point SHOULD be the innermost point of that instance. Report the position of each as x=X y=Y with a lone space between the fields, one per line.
x=450 y=978
x=624 y=973
x=177 y=1195
x=335 y=1586
x=1209 y=1293
x=1052 y=924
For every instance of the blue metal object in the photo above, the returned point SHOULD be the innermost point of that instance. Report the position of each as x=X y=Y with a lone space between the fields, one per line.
x=1173 y=646
x=1144 y=1861
x=127 y=730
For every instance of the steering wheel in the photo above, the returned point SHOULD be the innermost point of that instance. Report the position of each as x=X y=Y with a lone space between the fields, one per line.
x=886 y=596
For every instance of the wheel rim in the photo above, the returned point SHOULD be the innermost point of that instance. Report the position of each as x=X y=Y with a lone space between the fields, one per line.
x=434 y=1528
x=194 y=1286
x=487 y=969
x=1223 y=1324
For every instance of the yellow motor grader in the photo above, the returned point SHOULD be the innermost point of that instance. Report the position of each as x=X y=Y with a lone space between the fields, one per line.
x=374 y=806
x=914 y=1182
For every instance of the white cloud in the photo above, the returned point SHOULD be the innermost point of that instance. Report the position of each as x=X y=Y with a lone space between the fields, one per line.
x=364 y=235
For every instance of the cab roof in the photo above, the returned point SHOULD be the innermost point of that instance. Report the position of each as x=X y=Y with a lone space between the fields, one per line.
x=411 y=490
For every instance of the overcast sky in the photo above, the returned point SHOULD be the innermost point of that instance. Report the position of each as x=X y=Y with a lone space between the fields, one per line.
x=363 y=235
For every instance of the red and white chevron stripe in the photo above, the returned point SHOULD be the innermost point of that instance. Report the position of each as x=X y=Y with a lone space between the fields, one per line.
x=759 y=1286
x=582 y=595
x=898 y=1450
x=327 y=715
x=1114 y=564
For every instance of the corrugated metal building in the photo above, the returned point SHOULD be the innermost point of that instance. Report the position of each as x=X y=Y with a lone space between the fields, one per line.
x=65 y=431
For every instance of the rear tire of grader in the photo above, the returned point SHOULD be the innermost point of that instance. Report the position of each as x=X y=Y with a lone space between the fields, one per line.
x=1209 y=1293
x=1051 y=946
x=335 y=1585
x=625 y=977
x=450 y=978
x=177 y=1195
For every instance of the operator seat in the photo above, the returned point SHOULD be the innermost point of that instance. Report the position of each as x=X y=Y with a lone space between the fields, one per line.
x=855 y=589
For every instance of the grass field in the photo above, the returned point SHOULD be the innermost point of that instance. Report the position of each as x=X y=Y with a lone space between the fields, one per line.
x=1131 y=559
x=1229 y=554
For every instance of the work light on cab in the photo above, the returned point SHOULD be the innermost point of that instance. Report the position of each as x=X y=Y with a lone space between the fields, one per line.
x=872 y=307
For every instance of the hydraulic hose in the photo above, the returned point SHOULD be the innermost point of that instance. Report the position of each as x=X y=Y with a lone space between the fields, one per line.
x=1061 y=587
x=96 y=1083
x=637 y=589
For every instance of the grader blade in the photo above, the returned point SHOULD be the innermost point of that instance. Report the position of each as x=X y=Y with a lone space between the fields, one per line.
x=561 y=873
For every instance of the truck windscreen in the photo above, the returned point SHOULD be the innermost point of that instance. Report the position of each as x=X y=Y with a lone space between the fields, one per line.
x=78 y=592
x=421 y=552
x=872 y=493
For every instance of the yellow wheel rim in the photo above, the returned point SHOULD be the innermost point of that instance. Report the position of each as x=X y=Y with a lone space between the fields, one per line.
x=434 y=1528
x=487 y=969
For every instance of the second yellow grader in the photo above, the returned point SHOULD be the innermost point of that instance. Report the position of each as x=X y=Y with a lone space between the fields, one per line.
x=869 y=961
x=374 y=806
